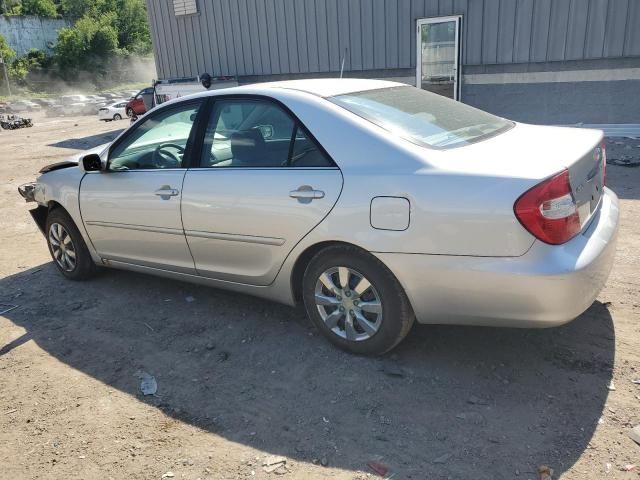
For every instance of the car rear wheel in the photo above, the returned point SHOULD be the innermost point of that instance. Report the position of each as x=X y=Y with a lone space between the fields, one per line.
x=130 y=112
x=68 y=250
x=356 y=301
x=117 y=116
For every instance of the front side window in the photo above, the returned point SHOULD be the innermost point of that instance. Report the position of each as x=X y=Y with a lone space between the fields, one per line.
x=422 y=117
x=160 y=141
x=257 y=134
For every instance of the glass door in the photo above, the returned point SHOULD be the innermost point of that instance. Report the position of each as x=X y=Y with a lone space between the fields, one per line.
x=439 y=55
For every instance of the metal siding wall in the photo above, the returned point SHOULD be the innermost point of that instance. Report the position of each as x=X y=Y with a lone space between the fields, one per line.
x=557 y=42
x=506 y=30
x=379 y=36
x=301 y=41
x=368 y=34
x=615 y=28
x=406 y=34
x=343 y=34
x=311 y=28
x=632 y=38
x=523 y=27
x=576 y=29
x=262 y=37
x=596 y=25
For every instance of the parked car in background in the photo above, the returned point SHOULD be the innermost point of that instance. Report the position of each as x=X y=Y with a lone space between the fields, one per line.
x=71 y=108
x=372 y=203
x=141 y=102
x=44 y=102
x=24 y=106
x=114 y=111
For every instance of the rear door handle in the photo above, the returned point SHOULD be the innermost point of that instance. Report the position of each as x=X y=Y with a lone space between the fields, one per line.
x=306 y=193
x=166 y=192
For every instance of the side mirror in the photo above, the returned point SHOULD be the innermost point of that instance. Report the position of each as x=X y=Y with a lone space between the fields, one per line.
x=92 y=162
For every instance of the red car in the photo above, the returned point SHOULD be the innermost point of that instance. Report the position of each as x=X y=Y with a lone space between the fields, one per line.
x=142 y=102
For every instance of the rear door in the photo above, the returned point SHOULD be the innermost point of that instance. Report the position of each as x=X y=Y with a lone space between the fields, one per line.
x=263 y=183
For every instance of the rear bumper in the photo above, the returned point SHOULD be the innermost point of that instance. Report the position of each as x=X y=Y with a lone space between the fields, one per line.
x=547 y=286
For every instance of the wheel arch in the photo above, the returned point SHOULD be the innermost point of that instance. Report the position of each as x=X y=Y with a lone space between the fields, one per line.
x=301 y=263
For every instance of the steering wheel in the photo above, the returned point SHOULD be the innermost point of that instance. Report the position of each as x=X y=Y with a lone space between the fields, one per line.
x=165 y=158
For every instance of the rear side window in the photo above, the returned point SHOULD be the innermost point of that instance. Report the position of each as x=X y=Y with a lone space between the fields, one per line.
x=252 y=133
x=423 y=117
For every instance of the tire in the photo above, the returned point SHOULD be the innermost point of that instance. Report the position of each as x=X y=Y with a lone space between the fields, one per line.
x=388 y=316
x=117 y=116
x=130 y=112
x=60 y=226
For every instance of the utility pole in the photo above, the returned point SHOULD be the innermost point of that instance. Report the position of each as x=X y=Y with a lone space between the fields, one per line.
x=6 y=75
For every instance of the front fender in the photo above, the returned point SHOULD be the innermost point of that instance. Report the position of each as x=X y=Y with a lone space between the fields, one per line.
x=61 y=188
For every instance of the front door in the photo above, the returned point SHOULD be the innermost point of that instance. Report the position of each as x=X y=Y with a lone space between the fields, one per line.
x=132 y=210
x=262 y=185
x=438 y=49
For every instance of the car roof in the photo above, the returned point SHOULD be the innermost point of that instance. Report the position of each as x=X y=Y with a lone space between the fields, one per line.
x=323 y=87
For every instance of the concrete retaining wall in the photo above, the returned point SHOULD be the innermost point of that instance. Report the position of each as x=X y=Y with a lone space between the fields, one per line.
x=25 y=33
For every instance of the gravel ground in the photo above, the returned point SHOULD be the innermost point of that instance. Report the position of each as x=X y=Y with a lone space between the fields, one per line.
x=240 y=379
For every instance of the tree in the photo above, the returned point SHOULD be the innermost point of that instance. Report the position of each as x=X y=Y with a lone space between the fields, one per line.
x=6 y=52
x=87 y=44
x=133 y=27
x=10 y=7
x=41 y=8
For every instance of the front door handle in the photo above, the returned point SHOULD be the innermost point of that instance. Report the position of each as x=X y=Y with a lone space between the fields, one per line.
x=306 y=193
x=166 y=192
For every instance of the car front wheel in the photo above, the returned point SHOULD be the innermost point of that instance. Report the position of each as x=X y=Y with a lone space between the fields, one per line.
x=117 y=116
x=356 y=301
x=68 y=250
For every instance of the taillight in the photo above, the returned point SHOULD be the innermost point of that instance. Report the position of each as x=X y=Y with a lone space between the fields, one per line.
x=548 y=210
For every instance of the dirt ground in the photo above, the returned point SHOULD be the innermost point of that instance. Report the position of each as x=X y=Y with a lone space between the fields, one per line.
x=240 y=379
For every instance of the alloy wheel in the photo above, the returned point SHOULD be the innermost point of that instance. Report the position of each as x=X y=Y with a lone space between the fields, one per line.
x=348 y=303
x=62 y=248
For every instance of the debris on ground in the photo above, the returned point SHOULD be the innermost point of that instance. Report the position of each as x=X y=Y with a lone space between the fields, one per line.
x=628 y=468
x=168 y=475
x=442 y=458
x=611 y=386
x=393 y=371
x=275 y=464
x=473 y=400
x=148 y=384
x=473 y=417
x=634 y=434
x=545 y=472
x=7 y=307
x=190 y=299
x=223 y=357
x=636 y=381
x=378 y=468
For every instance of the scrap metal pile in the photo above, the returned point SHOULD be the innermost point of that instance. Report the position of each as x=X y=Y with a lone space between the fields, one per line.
x=12 y=122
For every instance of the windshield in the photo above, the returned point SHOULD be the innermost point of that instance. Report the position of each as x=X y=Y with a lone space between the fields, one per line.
x=422 y=117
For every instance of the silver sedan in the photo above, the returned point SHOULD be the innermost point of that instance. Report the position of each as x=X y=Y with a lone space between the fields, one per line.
x=373 y=203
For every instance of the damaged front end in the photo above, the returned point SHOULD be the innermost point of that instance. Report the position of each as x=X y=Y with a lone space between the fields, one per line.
x=28 y=191
x=39 y=214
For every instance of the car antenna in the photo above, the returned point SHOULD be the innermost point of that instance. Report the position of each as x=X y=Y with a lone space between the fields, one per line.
x=342 y=64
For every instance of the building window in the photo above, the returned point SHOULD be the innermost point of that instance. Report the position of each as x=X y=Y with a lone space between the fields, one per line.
x=185 y=7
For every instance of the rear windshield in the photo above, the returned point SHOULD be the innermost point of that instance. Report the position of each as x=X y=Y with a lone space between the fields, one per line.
x=422 y=117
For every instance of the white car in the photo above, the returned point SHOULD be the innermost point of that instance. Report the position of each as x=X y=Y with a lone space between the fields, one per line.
x=372 y=203
x=115 y=111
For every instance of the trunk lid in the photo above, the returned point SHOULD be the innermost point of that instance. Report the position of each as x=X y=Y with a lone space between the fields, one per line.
x=533 y=153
